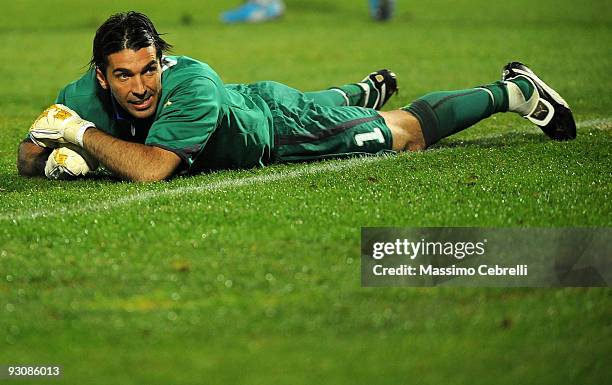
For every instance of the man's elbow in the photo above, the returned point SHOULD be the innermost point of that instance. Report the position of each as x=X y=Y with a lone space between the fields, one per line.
x=153 y=176
x=22 y=170
x=147 y=179
x=31 y=159
x=162 y=168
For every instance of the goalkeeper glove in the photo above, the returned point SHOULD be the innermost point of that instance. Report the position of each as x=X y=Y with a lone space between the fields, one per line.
x=66 y=163
x=58 y=125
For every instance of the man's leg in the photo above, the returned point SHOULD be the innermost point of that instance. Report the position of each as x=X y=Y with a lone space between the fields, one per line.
x=332 y=131
x=441 y=114
x=305 y=130
x=372 y=92
x=320 y=132
x=406 y=131
x=347 y=95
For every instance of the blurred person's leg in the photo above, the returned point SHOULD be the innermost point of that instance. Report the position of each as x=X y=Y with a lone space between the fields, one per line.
x=381 y=10
x=255 y=11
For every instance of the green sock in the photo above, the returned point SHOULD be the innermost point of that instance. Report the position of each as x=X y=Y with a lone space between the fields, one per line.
x=354 y=93
x=520 y=92
x=347 y=95
x=525 y=85
x=445 y=113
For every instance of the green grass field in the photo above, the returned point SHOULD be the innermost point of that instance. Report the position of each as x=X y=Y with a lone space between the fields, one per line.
x=253 y=276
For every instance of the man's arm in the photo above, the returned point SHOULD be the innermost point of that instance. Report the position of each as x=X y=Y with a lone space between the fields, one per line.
x=131 y=161
x=31 y=159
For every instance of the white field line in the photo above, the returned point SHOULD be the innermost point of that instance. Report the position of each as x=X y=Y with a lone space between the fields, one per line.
x=304 y=170
x=602 y=124
x=300 y=171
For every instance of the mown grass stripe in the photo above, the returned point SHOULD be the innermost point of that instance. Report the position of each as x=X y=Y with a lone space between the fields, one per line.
x=298 y=171
x=206 y=186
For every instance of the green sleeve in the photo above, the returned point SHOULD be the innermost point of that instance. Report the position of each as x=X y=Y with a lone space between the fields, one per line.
x=61 y=97
x=187 y=118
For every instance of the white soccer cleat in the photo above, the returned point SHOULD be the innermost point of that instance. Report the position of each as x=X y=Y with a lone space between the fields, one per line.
x=551 y=112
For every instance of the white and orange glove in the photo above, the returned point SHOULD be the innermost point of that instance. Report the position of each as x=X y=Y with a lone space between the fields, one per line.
x=59 y=125
x=66 y=163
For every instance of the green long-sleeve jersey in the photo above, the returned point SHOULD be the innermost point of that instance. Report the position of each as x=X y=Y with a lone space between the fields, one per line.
x=208 y=124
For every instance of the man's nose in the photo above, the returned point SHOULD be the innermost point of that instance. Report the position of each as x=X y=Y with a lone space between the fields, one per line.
x=138 y=87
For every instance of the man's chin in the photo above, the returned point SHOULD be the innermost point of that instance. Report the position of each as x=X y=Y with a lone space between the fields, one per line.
x=142 y=114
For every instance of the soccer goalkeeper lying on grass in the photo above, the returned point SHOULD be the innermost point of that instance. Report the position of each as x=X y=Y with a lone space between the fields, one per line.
x=147 y=117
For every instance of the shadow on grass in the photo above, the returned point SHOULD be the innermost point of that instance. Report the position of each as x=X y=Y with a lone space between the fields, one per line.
x=493 y=141
x=10 y=183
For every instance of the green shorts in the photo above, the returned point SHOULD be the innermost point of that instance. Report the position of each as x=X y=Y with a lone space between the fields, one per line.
x=305 y=130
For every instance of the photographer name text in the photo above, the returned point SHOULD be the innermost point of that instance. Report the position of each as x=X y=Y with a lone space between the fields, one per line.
x=452 y=271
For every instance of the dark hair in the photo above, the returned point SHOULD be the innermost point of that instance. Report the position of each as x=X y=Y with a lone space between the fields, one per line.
x=125 y=30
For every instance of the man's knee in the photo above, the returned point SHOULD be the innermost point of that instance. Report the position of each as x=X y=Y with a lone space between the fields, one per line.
x=405 y=129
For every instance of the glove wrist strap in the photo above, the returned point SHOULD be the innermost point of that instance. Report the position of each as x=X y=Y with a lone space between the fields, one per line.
x=81 y=133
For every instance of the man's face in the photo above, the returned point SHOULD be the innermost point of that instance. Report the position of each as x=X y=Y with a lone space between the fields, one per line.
x=134 y=79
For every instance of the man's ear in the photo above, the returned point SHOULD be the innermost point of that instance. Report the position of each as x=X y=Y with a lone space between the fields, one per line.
x=101 y=79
